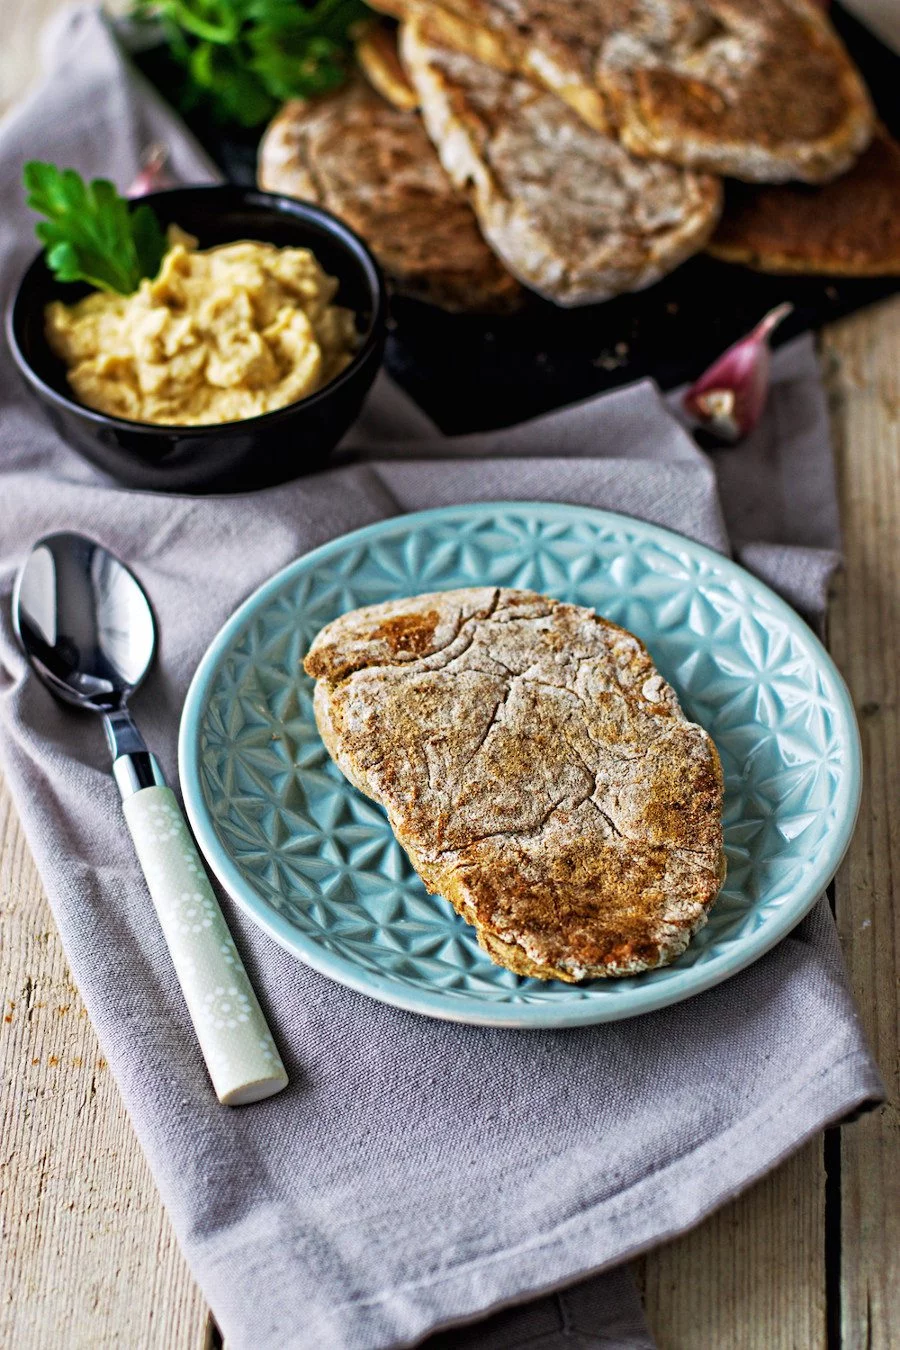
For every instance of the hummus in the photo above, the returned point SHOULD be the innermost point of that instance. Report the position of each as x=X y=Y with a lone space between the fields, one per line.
x=217 y=336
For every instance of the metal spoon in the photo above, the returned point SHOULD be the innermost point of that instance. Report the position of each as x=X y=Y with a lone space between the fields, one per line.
x=88 y=631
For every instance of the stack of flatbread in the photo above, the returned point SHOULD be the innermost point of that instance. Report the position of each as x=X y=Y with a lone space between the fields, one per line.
x=577 y=147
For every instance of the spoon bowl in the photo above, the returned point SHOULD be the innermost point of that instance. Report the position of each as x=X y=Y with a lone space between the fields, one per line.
x=88 y=631
x=84 y=622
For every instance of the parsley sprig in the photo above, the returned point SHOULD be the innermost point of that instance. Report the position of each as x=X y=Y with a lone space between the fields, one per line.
x=244 y=57
x=91 y=233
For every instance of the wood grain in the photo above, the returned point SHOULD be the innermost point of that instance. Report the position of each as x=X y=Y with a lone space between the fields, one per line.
x=87 y=1258
x=87 y=1253
x=752 y=1277
x=865 y=639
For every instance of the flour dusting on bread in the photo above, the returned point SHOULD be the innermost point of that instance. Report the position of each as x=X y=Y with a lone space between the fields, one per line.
x=537 y=769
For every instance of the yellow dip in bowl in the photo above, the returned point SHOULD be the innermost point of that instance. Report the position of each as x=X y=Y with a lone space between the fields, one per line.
x=219 y=335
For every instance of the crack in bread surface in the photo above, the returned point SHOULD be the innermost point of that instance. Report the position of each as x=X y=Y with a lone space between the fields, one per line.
x=374 y=166
x=762 y=91
x=573 y=214
x=537 y=769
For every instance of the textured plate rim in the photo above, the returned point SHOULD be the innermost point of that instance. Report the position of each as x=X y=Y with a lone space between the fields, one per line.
x=684 y=984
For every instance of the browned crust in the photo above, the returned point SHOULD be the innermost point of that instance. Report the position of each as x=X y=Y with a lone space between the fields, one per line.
x=800 y=111
x=537 y=770
x=849 y=227
x=570 y=211
x=376 y=53
x=764 y=92
x=394 y=9
x=373 y=165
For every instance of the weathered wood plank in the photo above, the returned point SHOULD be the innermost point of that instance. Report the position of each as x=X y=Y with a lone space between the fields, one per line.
x=87 y=1255
x=752 y=1277
x=865 y=639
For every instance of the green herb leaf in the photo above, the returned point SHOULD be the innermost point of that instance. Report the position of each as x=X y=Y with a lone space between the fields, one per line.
x=242 y=57
x=150 y=243
x=91 y=233
x=234 y=89
x=316 y=60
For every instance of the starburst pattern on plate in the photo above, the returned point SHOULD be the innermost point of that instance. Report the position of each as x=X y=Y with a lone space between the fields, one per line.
x=319 y=864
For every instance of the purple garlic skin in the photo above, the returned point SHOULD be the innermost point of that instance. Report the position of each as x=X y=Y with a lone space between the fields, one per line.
x=729 y=397
x=154 y=174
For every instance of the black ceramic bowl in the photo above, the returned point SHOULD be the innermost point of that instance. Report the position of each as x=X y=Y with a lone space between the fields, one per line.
x=234 y=456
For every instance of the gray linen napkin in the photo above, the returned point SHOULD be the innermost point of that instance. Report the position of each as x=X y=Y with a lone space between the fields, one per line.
x=416 y=1175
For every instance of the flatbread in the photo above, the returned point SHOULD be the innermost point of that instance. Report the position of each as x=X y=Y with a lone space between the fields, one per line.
x=536 y=768
x=849 y=227
x=373 y=165
x=763 y=91
x=376 y=53
x=572 y=214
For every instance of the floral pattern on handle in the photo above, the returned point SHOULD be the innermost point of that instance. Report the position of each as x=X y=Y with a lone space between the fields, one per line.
x=242 y=1058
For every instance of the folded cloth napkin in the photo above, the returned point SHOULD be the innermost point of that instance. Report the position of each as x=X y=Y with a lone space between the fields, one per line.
x=416 y=1175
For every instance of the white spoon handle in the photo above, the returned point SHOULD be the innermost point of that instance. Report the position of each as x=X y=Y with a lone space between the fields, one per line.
x=241 y=1056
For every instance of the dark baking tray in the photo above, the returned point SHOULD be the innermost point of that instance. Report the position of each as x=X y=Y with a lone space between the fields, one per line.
x=470 y=373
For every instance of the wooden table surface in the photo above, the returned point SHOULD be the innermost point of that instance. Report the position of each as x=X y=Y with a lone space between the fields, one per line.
x=809 y=1259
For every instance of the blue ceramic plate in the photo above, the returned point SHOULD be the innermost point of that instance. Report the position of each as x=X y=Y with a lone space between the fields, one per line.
x=316 y=864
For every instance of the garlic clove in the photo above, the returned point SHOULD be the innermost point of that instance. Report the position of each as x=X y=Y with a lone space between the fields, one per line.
x=154 y=173
x=729 y=397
